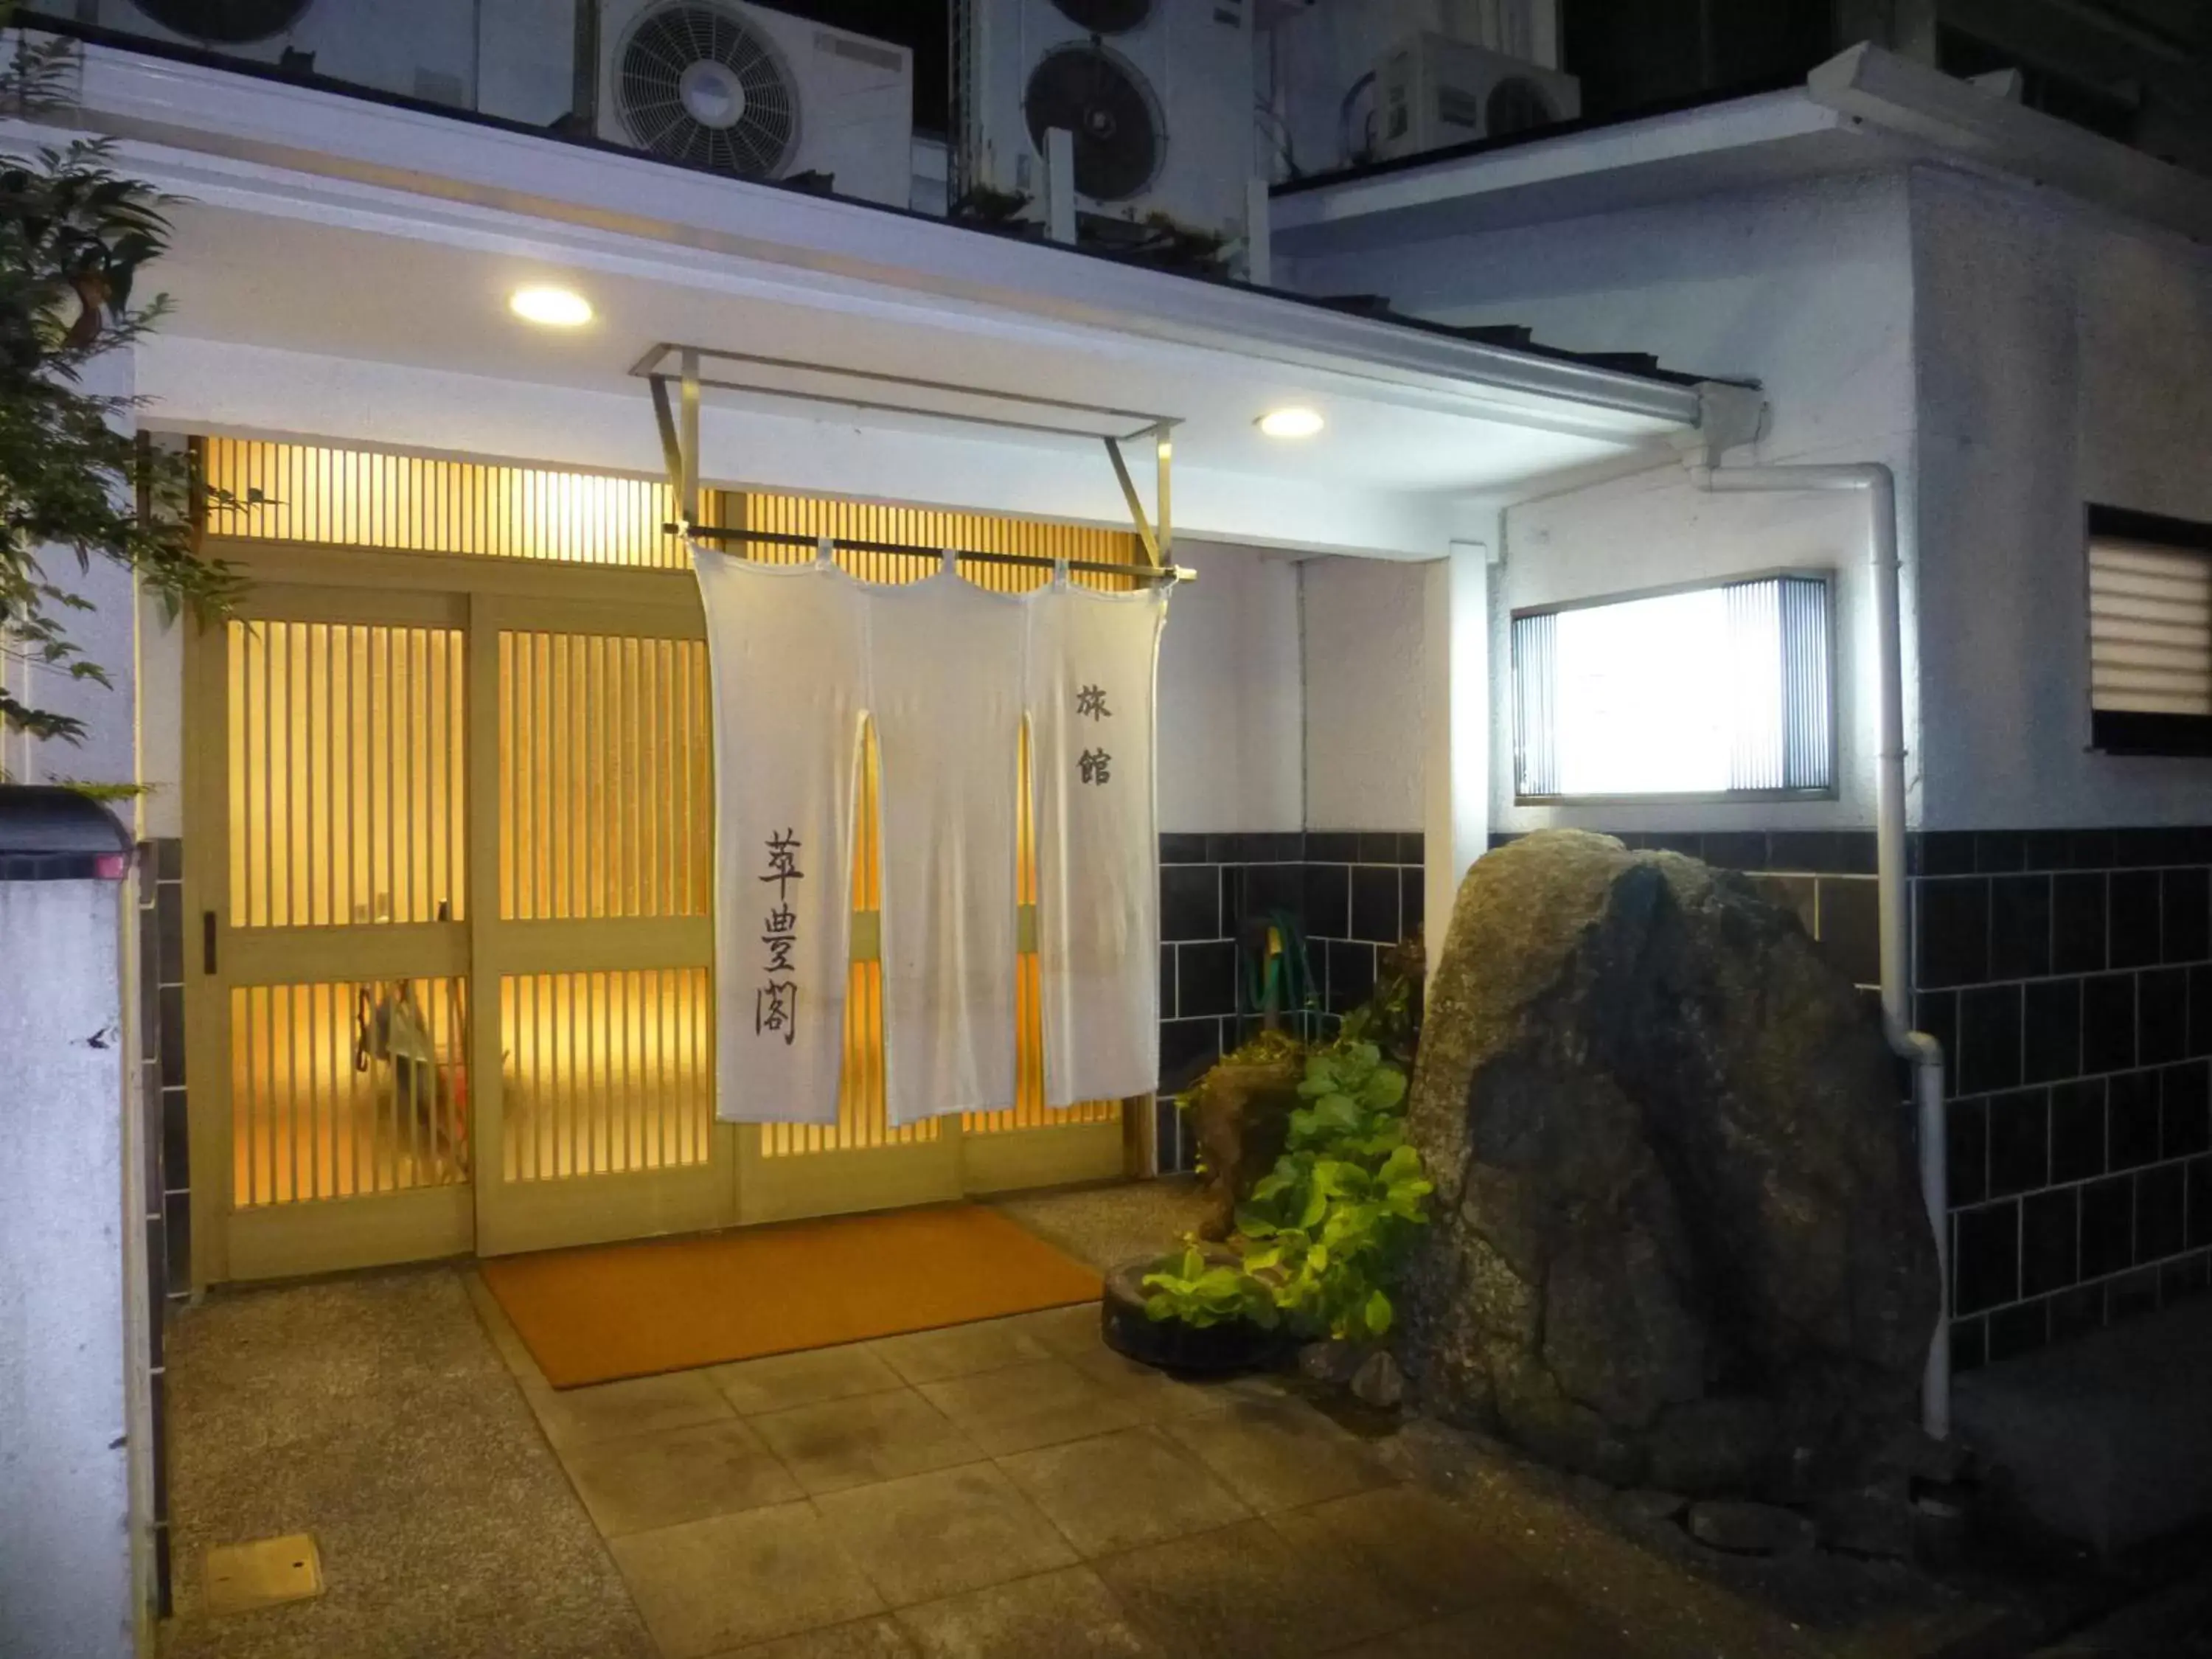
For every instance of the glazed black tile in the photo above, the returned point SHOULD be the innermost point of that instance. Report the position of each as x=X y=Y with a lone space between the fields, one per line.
x=155 y=1229
x=169 y=858
x=2186 y=929
x=1167 y=1139
x=2184 y=1110
x=2186 y=1277
x=1233 y=911
x=2049 y=1240
x=171 y=1001
x=2108 y=1222
x=1378 y=847
x=1281 y=846
x=2052 y=1036
x=1188 y=1046
x=2078 y=1130
x=1989 y=1038
x=169 y=916
x=2020 y=1142
x=2200 y=1202
x=1969 y=1346
x=1177 y=847
x=1804 y=852
x=2093 y=849
x=2133 y=928
x=1327 y=900
x=2132 y=1113
x=177 y=1236
x=2077 y=923
x=1690 y=844
x=2200 y=1011
x=1736 y=849
x=2132 y=1297
x=1351 y=975
x=1332 y=847
x=1501 y=838
x=2172 y=843
x=2049 y=849
x=1945 y=853
x=1966 y=1135
x=1850 y=927
x=1985 y=1269
x=149 y=988
x=1996 y=850
x=2020 y=927
x=1412 y=846
x=1206 y=979
x=2077 y=1312
x=2108 y=1023
x=1167 y=981
x=1374 y=904
x=2162 y=1015
x=1413 y=900
x=1936 y=1012
x=2160 y=1223
x=2138 y=849
x=1273 y=889
x=1952 y=931
x=1190 y=902
x=2017 y=1330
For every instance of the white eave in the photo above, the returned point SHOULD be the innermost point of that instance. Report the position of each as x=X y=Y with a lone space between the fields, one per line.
x=1862 y=110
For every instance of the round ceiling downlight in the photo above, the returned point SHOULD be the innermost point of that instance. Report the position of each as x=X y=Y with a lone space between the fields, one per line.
x=551 y=308
x=1296 y=421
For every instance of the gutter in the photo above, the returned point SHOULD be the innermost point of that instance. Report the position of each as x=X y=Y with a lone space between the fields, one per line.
x=1878 y=487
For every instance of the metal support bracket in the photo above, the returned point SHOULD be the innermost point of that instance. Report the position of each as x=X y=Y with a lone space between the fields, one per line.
x=1159 y=541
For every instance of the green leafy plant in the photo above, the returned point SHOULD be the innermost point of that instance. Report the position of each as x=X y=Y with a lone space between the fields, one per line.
x=1195 y=1292
x=74 y=237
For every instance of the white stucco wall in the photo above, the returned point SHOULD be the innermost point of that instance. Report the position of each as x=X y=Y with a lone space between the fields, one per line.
x=1807 y=289
x=2065 y=358
x=1229 y=694
x=1365 y=692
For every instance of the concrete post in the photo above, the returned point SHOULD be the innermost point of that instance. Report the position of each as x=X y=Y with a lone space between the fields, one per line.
x=1456 y=659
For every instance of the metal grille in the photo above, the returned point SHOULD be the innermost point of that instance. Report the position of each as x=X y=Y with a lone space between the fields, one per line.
x=604 y=1074
x=412 y=504
x=345 y=767
x=2150 y=630
x=348 y=1088
x=604 y=784
x=922 y=527
x=1535 y=748
x=1808 y=746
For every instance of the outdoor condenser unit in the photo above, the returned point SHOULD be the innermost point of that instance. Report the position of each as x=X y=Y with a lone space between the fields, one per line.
x=758 y=94
x=1157 y=95
x=1431 y=92
x=422 y=49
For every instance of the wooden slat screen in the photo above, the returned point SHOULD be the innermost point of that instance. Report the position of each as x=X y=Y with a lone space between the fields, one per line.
x=604 y=1074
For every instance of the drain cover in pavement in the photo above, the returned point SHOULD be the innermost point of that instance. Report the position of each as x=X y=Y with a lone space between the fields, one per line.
x=261 y=1574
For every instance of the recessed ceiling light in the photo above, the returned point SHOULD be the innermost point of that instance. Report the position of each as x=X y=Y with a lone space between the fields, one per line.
x=1292 y=423
x=556 y=308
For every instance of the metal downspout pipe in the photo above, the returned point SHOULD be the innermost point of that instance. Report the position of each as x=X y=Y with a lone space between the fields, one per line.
x=1876 y=484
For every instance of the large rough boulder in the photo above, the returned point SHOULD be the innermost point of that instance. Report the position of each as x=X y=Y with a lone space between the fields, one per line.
x=1679 y=1238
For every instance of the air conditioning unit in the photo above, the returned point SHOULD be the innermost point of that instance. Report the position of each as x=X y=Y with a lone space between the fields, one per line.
x=419 y=48
x=1431 y=92
x=757 y=93
x=1157 y=95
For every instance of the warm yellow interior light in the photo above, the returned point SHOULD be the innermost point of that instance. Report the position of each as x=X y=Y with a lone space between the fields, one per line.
x=555 y=307
x=1292 y=423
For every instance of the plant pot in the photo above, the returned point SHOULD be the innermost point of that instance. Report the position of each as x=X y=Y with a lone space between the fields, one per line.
x=1172 y=1345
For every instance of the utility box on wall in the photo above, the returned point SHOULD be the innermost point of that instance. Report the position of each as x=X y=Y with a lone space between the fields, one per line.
x=73 y=1409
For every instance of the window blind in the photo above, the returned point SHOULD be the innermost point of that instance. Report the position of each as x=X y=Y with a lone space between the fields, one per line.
x=2150 y=634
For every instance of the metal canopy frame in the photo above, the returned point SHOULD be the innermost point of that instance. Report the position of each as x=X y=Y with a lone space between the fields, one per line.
x=676 y=415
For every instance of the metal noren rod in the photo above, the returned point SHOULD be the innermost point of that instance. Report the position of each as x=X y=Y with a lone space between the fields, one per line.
x=791 y=538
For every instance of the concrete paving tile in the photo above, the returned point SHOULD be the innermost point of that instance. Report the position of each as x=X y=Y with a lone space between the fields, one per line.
x=1278 y=1456
x=782 y=1381
x=932 y=1535
x=640 y=1481
x=959 y=1350
x=871 y=1436
x=1068 y=1332
x=710 y=1585
x=642 y=1405
x=1117 y=1492
x=1241 y=1592
x=864 y=1639
x=1069 y=1614
x=1541 y=1628
x=1037 y=1404
x=1153 y=1394
x=1429 y=1554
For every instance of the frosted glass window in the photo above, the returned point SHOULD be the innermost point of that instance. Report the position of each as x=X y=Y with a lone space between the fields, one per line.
x=1717 y=691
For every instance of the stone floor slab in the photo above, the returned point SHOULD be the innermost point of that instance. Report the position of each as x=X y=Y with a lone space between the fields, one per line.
x=1425 y=1551
x=959 y=1350
x=642 y=1405
x=711 y=1585
x=1542 y=1629
x=933 y=1536
x=1069 y=1614
x=1037 y=1404
x=1122 y=1490
x=782 y=1381
x=640 y=1481
x=872 y=1437
x=1241 y=1592
x=1069 y=1333
x=1153 y=1394
x=1278 y=1455
x=864 y=1639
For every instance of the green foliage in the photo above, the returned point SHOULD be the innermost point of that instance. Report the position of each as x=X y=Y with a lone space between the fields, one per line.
x=1189 y=1289
x=74 y=235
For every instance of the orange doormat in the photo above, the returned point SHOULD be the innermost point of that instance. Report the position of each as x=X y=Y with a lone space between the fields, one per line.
x=618 y=1310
